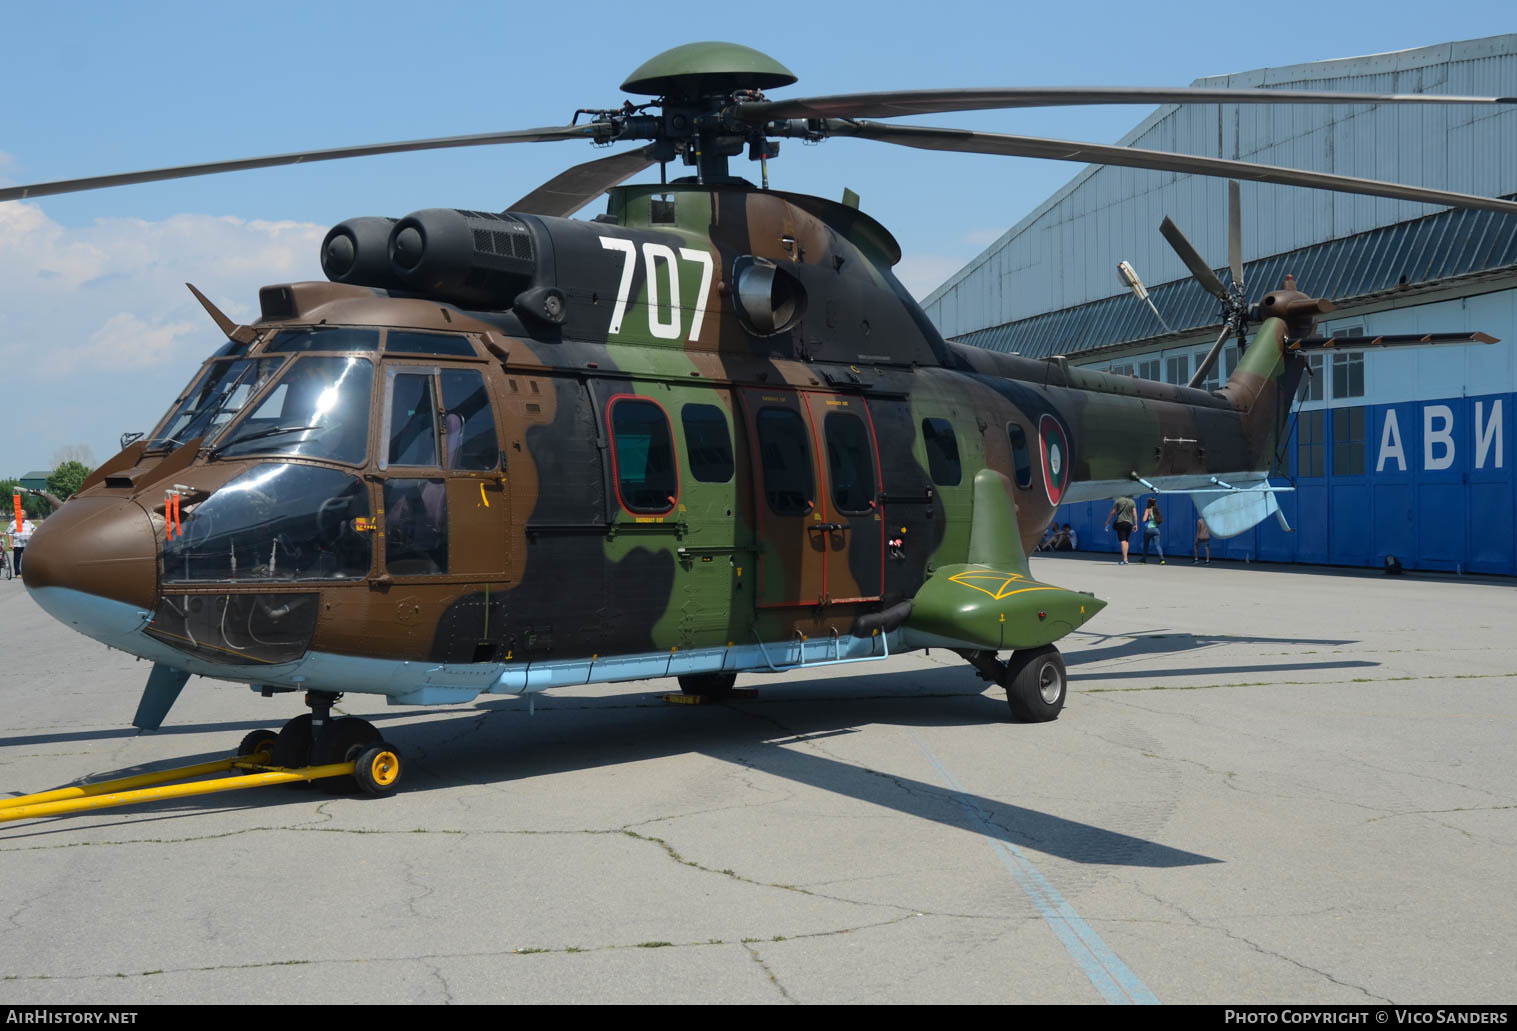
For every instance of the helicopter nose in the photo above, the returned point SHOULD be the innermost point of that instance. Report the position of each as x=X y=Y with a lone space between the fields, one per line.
x=100 y=547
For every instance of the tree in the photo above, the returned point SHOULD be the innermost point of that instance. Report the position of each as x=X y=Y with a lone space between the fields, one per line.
x=66 y=480
x=34 y=507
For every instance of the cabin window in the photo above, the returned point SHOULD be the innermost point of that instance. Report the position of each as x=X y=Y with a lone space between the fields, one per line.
x=468 y=424
x=942 y=452
x=708 y=444
x=325 y=338
x=1348 y=441
x=1020 y=457
x=413 y=420
x=400 y=341
x=642 y=451
x=416 y=527
x=785 y=454
x=1310 y=442
x=850 y=463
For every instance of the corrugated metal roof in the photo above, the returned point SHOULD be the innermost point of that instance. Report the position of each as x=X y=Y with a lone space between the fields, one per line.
x=1443 y=246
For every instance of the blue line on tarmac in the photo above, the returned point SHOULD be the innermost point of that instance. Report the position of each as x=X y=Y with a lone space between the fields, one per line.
x=1111 y=977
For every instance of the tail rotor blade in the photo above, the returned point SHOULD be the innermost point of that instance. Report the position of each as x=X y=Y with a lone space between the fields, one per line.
x=1193 y=260
x=1235 y=233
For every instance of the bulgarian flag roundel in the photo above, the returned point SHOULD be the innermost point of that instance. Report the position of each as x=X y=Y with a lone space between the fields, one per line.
x=1053 y=445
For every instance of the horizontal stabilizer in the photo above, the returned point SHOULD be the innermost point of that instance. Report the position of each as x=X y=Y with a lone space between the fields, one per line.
x=1231 y=513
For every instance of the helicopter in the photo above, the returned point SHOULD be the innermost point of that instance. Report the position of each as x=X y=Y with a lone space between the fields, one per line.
x=706 y=432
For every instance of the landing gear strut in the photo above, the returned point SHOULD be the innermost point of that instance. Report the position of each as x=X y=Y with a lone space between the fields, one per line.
x=315 y=739
x=1034 y=678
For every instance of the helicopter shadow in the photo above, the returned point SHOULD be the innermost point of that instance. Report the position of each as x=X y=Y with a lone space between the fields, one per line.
x=1162 y=642
x=496 y=742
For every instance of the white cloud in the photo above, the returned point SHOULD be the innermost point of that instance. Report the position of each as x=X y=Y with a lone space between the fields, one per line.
x=98 y=333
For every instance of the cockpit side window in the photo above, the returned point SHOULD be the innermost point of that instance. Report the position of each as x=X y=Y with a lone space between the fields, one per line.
x=468 y=425
x=413 y=420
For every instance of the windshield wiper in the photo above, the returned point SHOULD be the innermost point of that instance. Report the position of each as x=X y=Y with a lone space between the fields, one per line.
x=271 y=431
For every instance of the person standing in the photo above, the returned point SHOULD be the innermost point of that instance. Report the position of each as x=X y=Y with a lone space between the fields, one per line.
x=1122 y=511
x=1152 y=520
x=21 y=535
x=1203 y=537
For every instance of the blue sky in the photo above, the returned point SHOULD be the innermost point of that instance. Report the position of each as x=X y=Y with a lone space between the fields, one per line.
x=97 y=333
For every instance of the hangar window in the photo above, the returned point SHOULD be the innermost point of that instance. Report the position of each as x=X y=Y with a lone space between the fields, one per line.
x=1348 y=373
x=785 y=453
x=708 y=444
x=942 y=452
x=642 y=453
x=1310 y=442
x=1177 y=370
x=1019 y=454
x=1348 y=441
x=1312 y=380
x=1148 y=369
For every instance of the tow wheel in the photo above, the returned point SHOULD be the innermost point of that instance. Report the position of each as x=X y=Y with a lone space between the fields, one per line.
x=346 y=739
x=258 y=746
x=377 y=768
x=1036 y=684
x=708 y=685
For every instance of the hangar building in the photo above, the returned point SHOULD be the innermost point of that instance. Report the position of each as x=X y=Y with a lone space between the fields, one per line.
x=1406 y=452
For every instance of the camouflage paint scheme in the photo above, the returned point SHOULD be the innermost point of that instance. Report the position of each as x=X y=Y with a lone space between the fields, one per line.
x=546 y=560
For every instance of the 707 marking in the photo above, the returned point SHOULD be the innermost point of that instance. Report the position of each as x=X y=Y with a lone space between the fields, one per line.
x=655 y=254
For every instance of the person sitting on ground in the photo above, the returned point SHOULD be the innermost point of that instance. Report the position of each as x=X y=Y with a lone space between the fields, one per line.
x=1050 y=535
x=1071 y=538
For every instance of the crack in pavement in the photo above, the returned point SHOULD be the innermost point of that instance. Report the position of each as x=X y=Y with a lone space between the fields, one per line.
x=1228 y=932
x=753 y=954
x=430 y=957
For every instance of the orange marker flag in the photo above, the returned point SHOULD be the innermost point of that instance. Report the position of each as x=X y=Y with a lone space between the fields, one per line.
x=20 y=516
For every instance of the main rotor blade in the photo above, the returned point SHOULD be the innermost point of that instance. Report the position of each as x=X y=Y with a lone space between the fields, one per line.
x=896 y=103
x=1193 y=260
x=1235 y=233
x=965 y=140
x=575 y=187
x=100 y=182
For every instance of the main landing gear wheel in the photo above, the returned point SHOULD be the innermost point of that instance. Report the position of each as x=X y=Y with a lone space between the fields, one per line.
x=377 y=769
x=708 y=685
x=292 y=749
x=258 y=746
x=1036 y=684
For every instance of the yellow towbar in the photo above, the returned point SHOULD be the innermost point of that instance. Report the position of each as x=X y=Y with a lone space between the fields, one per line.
x=107 y=794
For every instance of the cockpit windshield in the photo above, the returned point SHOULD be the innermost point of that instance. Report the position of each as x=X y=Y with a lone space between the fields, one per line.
x=318 y=408
x=214 y=400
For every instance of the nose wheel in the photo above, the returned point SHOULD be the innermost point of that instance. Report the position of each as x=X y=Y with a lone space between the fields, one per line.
x=316 y=739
